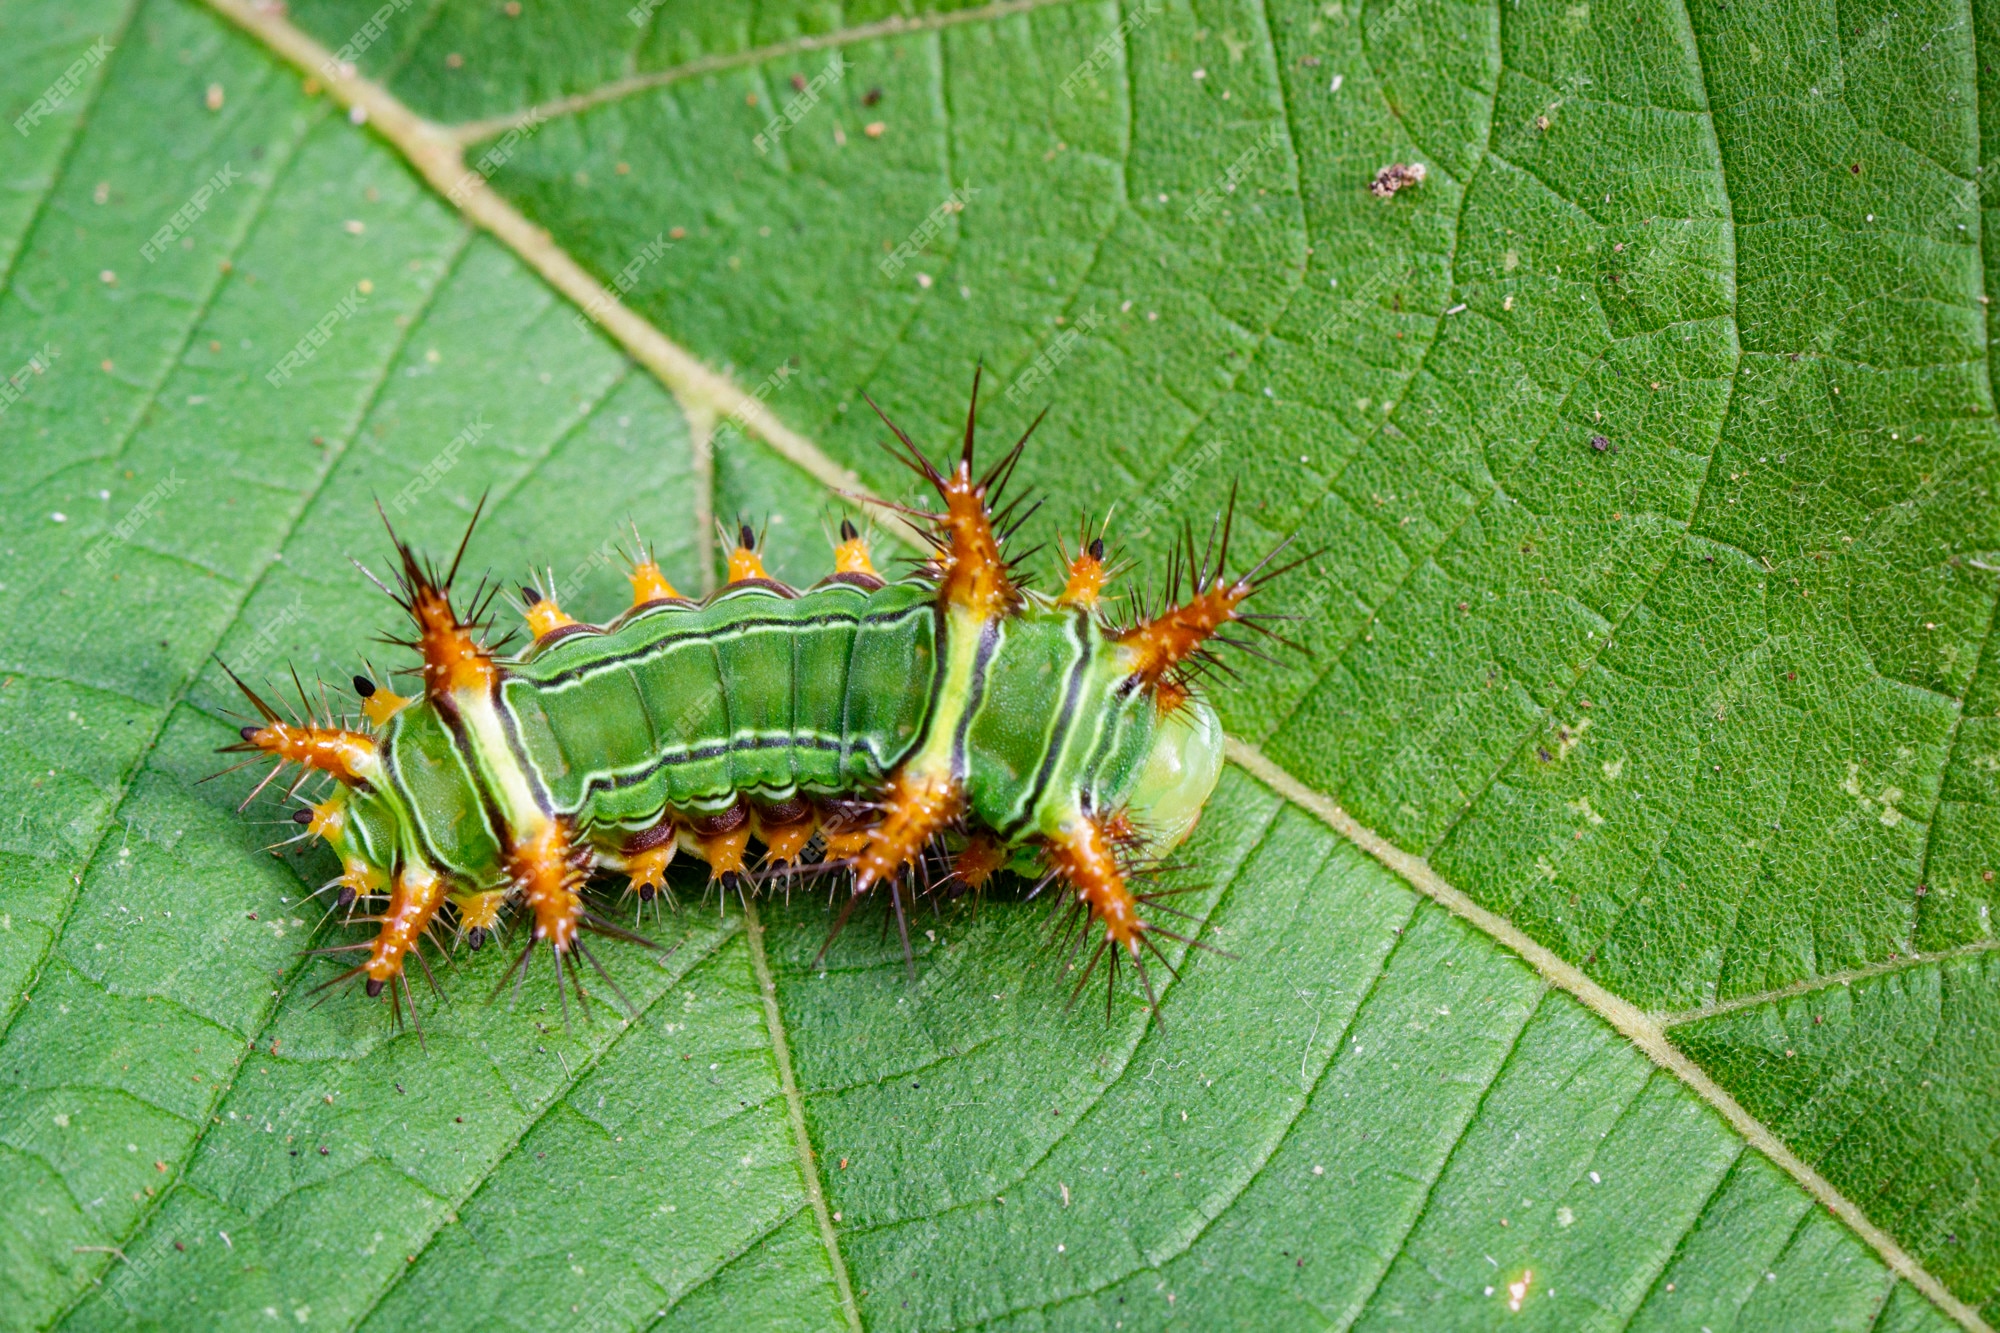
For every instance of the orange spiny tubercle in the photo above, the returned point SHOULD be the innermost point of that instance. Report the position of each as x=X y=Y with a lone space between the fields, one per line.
x=915 y=808
x=543 y=615
x=983 y=857
x=1159 y=645
x=347 y=755
x=851 y=555
x=324 y=819
x=413 y=902
x=1086 y=855
x=648 y=584
x=377 y=704
x=454 y=657
x=648 y=870
x=479 y=913
x=545 y=869
x=972 y=570
x=744 y=562
x=1086 y=576
x=1164 y=642
x=785 y=832
x=724 y=851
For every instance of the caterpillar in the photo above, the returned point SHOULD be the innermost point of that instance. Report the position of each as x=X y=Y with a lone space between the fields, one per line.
x=954 y=720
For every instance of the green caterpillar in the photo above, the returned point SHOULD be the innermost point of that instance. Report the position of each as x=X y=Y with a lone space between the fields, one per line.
x=870 y=720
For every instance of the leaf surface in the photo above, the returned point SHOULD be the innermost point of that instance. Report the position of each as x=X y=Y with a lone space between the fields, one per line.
x=1648 y=449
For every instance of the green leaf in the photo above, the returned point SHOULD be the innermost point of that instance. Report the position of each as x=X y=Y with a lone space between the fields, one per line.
x=1604 y=902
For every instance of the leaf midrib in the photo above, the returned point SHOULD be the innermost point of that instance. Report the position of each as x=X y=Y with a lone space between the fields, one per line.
x=795 y=1113
x=420 y=142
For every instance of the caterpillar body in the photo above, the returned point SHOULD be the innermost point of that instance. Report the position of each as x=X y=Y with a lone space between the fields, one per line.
x=873 y=723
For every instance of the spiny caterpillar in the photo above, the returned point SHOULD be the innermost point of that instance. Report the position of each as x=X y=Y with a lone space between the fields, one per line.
x=889 y=729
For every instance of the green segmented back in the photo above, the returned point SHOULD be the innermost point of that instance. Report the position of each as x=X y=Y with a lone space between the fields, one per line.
x=685 y=708
x=756 y=692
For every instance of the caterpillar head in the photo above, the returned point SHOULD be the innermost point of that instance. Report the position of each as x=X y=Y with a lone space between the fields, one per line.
x=1178 y=775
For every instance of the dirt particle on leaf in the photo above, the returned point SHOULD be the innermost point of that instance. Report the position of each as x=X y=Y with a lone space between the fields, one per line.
x=874 y=128
x=1397 y=176
x=454 y=61
x=871 y=97
x=213 y=98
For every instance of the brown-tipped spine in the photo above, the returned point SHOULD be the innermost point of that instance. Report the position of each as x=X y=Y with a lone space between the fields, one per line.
x=543 y=615
x=1083 y=584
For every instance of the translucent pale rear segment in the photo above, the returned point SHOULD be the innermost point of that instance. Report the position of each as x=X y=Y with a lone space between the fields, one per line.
x=1179 y=775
